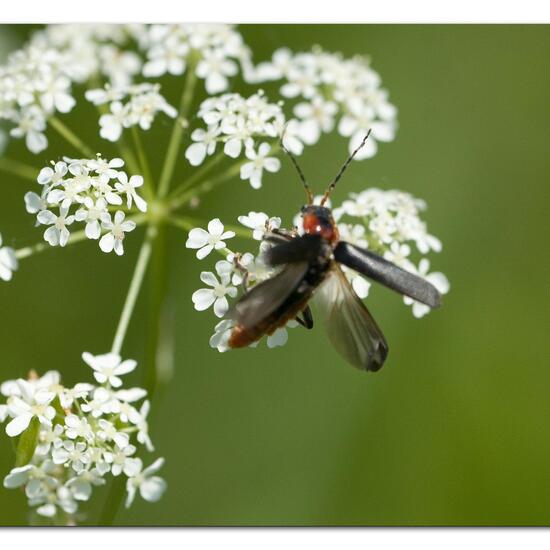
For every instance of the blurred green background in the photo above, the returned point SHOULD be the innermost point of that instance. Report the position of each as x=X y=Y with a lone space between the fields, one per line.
x=454 y=430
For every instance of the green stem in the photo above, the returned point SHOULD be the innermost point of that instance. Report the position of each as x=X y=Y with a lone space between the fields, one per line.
x=196 y=176
x=133 y=291
x=19 y=169
x=206 y=186
x=177 y=132
x=157 y=310
x=144 y=163
x=71 y=137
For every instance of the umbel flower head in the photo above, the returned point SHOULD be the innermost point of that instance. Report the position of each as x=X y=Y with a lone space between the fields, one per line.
x=72 y=439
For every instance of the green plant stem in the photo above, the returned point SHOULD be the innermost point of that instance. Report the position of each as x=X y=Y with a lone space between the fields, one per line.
x=19 y=169
x=144 y=163
x=133 y=291
x=196 y=176
x=157 y=310
x=177 y=132
x=206 y=186
x=71 y=137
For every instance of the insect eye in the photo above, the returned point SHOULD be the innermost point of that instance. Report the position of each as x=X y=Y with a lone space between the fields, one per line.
x=303 y=209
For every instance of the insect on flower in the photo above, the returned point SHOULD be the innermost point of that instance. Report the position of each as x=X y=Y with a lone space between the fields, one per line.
x=310 y=269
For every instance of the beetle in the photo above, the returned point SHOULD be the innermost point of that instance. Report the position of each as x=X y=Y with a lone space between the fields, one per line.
x=311 y=270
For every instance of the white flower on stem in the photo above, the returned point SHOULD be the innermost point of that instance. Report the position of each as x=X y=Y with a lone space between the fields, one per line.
x=260 y=223
x=128 y=187
x=205 y=297
x=100 y=96
x=34 y=203
x=140 y=420
x=151 y=487
x=54 y=92
x=33 y=477
x=57 y=234
x=47 y=503
x=222 y=332
x=8 y=262
x=259 y=161
x=80 y=391
x=116 y=232
x=76 y=426
x=205 y=144
x=118 y=65
x=31 y=125
x=108 y=367
x=317 y=117
x=437 y=279
x=99 y=404
x=206 y=241
x=118 y=459
x=111 y=124
x=81 y=484
x=108 y=432
x=22 y=411
x=53 y=176
x=168 y=56
x=72 y=454
x=106 y=169
x=215 y=67
x=49 y=436
x=92 y=213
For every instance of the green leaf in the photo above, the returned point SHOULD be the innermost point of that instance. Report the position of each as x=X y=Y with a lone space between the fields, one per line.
x=27 y=443
x=59 y=412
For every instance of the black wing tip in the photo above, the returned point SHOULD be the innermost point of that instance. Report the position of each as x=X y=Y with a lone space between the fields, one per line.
x=377 y=360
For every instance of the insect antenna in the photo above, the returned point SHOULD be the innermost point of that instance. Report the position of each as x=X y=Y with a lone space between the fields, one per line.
x=331 y=187
x=307 y=188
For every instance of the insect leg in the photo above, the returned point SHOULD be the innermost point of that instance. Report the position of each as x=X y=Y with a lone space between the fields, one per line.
x=307 y=320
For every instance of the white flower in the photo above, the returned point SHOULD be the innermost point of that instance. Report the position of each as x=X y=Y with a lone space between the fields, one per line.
x=81 y=485
x=168 y=56
x=108 y=367
x=35 y=404
x=8 y=262
x=116 y=232
x=55 y=94
x=215 y=67
x=259 y=161
x=111 y=124
x=92 y=214
x=260 y=223
x=57 y=233
x=72 y=454
x=437 y=279
x=52 y=176
x=106 y=169
x=118 y=459
x=317 y=117
x=151 y=487
x=34 y=203
x=205 y=297
x=108 y=432
x=31 y=126
x=78 y=427
x=128 y=187
x=222 y=332
x=140 y=420
x=100 y=403
x=206 y=241
x=205 y=144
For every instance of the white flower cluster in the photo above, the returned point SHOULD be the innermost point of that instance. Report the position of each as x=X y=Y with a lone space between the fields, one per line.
x=240 y=124
x=8 y=262
x=217 y=51
x=330 y=87
x=36 y=81
x=92 y=187
x=132 y=105
x=75 y=436
x=389 y=224
x=236 y=270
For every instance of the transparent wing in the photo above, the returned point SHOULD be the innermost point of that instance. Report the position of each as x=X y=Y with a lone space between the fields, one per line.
x=350 y=326
x=266 y=297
